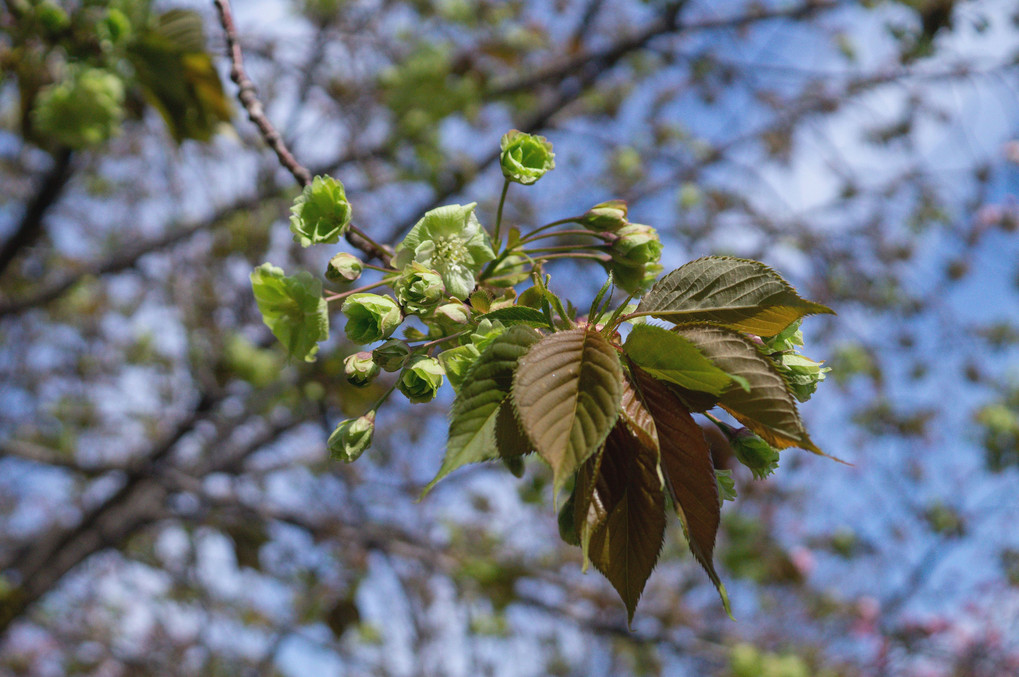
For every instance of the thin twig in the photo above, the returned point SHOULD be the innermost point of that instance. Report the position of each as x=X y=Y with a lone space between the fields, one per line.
x=248 y=97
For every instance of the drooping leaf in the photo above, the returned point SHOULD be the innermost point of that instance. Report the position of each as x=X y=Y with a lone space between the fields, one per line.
x=638 y=419
x=481 y=425
x=178 y=76
x=567 y=392
x=293 y=308
x=625 y=545
x=517 y=315
x=769 y=409
x=670 y=357
x=739 y=293
x=688 y=469
x=592 y=508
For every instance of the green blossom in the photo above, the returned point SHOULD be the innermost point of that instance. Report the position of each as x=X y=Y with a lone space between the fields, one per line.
x=456 y=362
x=802 y=374
x=360 y=369
x=352 y=438
x=344 y=267
x=606 y=216
x=84 y=109
x=293 y=308
x=726 y=486
x=419 y=288
x=421 y=379
x=321 y=213
x=370 y=317
x=754 y=453
x=635 y=254
x=450 y=241
x=391 y=355
x=525 y=158
x=637 y=245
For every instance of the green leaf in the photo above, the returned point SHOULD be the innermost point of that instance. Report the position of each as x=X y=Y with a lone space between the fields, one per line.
x=769 y=409
x=739 y=293
x=517 y=315
x=478 y=426
x=567 y=392
x=625 y=544
x=689 y=472
x=293 y=308
x=670 y=357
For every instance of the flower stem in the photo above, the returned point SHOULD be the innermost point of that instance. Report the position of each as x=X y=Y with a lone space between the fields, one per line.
x=498 y=214
x=440 y=340
x=563 y=248
x=574 y=231
x=604 y=258
x=343 y=295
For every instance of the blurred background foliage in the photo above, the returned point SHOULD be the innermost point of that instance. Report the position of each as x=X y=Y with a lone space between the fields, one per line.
x=166 y=502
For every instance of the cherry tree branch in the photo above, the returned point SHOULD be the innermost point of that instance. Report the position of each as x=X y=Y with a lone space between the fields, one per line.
x=248 y=97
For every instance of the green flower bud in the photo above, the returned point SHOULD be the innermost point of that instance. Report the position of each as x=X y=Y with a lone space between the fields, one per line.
x=84 y=109
x=634 y=279
x=344 y=267
x=321 y=213
x=360 y=369
x=352 y=437
x=606 y=216
x=525 y=157
x=421 y=379
x=637 y=245
x=449 y=318
x=370 y=317
x=456 y=362
x=419 y=288
x=391 y=355
x=754 y=453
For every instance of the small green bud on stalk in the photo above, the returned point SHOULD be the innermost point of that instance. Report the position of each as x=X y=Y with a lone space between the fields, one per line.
x=344 y=267
x=391 y=355
x=370 y=317
x=421 y=379
x=419 y=289
x=605 y=217
x=525 y=157
x=352 y=437
x=360 y=369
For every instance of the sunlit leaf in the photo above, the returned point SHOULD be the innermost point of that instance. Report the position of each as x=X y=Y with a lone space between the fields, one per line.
x=567 y=392
x=769 y=409
x=478 y=426
x=689 y=471
x=739 y=293
x=671 y=357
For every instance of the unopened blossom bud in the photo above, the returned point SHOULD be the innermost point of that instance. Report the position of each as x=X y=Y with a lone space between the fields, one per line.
x=344 y=267
x=360 y=369
x=525 y=157
x=421 y=379
x=352 y=437
x=607 y=216
x=370 y=317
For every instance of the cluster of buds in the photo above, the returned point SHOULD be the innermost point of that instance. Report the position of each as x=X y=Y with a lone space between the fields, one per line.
x=635 y=248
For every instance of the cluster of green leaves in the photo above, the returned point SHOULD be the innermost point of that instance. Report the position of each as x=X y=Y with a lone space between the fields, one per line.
x=82 y=69
x=612 y=417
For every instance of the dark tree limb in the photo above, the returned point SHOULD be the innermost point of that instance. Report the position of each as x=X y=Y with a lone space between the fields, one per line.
x=31 y=226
